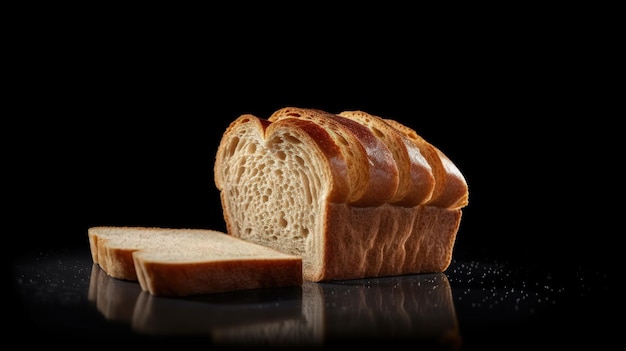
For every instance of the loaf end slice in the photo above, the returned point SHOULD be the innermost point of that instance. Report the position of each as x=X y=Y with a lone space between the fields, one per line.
x=182 y=262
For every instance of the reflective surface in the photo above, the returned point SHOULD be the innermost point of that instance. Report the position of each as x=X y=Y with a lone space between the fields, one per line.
x=473 y=305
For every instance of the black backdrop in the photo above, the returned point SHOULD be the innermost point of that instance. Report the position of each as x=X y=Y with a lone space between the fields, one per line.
x=119 y=126
x=113 y=117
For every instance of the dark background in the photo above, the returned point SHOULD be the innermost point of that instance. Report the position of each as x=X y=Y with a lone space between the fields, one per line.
x=113 y=117
x=118 y=118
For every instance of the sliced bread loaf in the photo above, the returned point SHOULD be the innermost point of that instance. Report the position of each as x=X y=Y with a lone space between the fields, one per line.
x=354 y=195
x=181 y=262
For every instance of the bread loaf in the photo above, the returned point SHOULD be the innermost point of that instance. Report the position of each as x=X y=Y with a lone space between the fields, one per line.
x=355 y=195
x=181 y=262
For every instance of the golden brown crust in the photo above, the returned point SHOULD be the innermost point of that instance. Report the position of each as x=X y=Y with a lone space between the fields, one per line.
x=166 y=279
x=381 y=167
x=456 y=194
x=386 y=240
x=450 y=185
x=416 y=179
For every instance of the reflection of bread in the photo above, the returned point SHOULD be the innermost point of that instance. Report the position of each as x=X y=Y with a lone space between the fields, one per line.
x=179 y=262
x=415 y=307
x=114 y=298
x=354 y=194
x=266 y=314
x=272 y=316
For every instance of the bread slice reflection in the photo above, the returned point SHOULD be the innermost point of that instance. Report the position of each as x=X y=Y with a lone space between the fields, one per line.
x=410 y=307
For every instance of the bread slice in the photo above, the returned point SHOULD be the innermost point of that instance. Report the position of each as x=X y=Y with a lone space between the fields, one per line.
x=327 y=188
x=181 y=262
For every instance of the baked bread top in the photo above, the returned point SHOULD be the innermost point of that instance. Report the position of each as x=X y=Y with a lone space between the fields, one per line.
x=371 y=160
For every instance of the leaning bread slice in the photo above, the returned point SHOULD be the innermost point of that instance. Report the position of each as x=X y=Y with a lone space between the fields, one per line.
x=181 y=262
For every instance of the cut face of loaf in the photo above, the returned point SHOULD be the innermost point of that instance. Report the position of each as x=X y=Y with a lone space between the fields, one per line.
x=181 y=262
x=352 y=195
